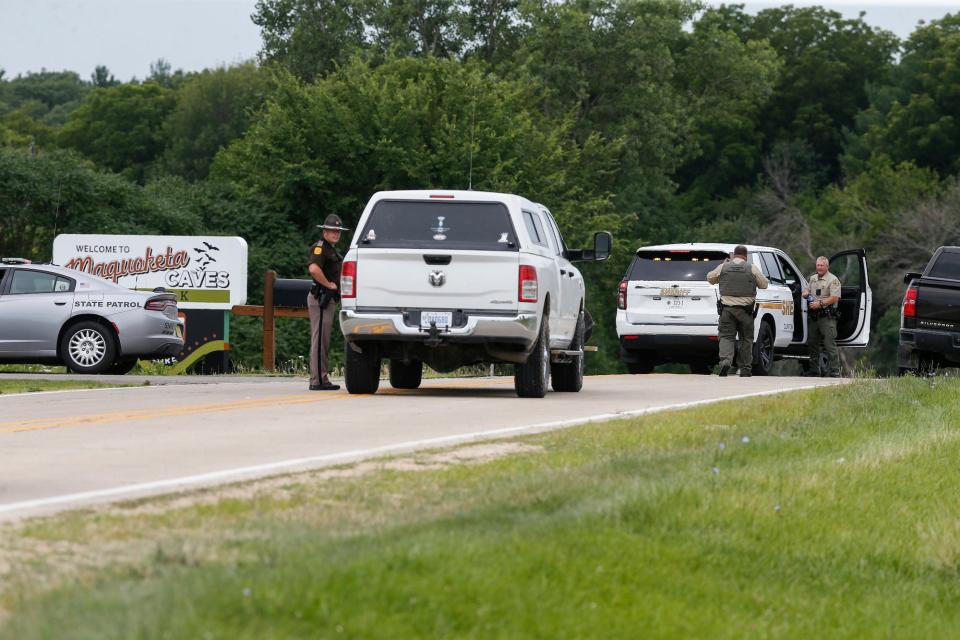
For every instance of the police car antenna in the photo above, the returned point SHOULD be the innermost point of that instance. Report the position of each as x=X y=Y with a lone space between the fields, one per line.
x=473 y=126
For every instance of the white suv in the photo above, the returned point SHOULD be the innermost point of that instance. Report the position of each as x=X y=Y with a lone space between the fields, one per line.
x=452 y=278
x=667 y=311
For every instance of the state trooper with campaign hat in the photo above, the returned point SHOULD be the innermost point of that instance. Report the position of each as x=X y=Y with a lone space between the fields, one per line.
x=324 y=265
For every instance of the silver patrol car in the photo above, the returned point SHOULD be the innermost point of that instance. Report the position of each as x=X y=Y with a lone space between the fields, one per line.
x=51 y=314
x=667 y=311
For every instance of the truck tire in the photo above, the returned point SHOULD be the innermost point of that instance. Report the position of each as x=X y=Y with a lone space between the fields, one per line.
x=531 y=378
x=405 y=375
x=763 y=350
x=88 y=347
x=568 y=376
x=362 y=370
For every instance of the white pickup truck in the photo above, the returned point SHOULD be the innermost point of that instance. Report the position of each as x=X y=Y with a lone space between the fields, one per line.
x=453 y=278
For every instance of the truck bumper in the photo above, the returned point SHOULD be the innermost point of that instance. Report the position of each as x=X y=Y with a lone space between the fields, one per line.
x=521 y=328
x=942 y=345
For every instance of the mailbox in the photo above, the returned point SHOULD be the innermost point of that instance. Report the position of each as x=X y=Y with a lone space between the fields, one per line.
x=291 y=293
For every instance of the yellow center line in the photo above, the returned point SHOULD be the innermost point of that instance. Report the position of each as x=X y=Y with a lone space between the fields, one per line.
x=39 y=424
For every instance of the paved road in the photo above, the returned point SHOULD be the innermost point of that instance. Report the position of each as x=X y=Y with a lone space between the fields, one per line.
x=60 y=450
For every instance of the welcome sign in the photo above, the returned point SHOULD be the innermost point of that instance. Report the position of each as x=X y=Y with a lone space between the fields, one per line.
x=205 y=272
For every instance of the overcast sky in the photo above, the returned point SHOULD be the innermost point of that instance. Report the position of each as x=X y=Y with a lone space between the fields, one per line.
x=127 y=35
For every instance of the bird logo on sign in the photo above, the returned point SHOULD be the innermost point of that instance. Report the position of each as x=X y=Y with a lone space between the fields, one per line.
x=437 y=278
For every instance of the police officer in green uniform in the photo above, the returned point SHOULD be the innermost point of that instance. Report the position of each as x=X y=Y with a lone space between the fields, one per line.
x=823 y=296
x=739 y=281
x=324 y=266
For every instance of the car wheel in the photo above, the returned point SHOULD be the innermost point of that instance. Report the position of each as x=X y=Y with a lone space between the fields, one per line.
x=405 y=375
x=763 y=351
x=88 y=347
x=122 y=366
x=362 y=369
x=568 y=376
x=531 y=378
x=640 y=367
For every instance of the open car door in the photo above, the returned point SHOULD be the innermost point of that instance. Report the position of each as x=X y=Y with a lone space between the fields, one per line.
x=856 y=299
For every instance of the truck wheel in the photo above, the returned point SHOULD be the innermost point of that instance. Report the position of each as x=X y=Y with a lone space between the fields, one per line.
x=568 y=376
x=405 y=375
x=362 y=370
x=530 y=379
x=763 y=351
x=88 y=347
x=640 y=367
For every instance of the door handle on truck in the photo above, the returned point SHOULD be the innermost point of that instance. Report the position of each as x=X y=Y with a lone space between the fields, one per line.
x=436 y=260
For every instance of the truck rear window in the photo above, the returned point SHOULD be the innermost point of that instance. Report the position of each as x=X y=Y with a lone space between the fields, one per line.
x=439 y=225
x=680 y=266
x=947 y=266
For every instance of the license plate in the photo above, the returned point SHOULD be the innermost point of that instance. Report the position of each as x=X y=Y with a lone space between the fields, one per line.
x=439 y=318
x=675 y=303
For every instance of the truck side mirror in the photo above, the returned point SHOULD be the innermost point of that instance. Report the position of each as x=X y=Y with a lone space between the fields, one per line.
x=602 y=244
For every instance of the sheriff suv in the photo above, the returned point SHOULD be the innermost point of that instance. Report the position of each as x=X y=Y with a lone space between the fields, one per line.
x=667 y=311
x=453 y=278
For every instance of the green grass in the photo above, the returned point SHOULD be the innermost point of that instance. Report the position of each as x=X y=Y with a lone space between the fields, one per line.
x=829 y=513
x=26 y=385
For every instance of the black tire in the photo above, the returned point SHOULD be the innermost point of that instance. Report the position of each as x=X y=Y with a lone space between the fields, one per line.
x=763 y=351
x=640 y=367
x=405 y=375
x=88 y=347
x=531 y=378
x=122 y=366
x=568 y=376
x=701 y=368
x=362 y=370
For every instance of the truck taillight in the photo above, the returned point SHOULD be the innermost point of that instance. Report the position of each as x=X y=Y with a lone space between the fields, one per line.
x=348 y=279
x=910 y=303
x=622 y=295
x=527 y=284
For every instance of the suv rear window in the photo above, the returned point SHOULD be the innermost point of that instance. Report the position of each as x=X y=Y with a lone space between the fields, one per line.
x=439 y=225
x=947 y=266
x=676 y=265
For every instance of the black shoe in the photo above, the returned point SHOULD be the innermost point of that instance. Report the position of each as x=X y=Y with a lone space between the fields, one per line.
x=326 y=386
x=724 y=370
x=745 y=374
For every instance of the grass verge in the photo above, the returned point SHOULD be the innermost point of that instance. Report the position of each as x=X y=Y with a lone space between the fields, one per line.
x=829 y=513
x=12 y=385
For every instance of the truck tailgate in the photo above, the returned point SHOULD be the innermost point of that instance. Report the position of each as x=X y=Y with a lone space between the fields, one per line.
x=455 y=279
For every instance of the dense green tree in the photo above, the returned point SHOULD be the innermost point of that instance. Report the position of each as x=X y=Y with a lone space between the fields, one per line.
x=51 y=88
x=120 y=128
x=828 y=63
x=311 y=37
x=213 y=108
x=916 y=118
x=102 y=78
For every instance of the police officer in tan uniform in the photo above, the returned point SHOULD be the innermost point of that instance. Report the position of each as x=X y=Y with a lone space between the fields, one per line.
x=324 y=266
x=739 y=281
x=823 y=296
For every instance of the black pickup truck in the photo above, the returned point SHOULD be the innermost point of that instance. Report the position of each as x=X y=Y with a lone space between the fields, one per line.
x=930 y=316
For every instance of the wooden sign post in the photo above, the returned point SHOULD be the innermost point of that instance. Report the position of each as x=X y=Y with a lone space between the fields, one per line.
x=269 y=313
